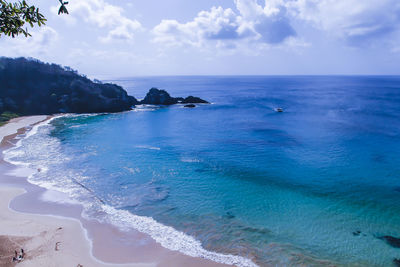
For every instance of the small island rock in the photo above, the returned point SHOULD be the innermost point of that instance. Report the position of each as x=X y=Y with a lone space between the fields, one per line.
x=158 y=97
x=190 y=106
x=194 y=100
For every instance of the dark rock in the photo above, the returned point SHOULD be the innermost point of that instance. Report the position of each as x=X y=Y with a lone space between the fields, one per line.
x=356 y=233
x=190 y=106
x=161 y=97
x=392 y=241
x=158 y=97
x=396 y=262
x=229 y=215
x=194 y=100
x=378 y=158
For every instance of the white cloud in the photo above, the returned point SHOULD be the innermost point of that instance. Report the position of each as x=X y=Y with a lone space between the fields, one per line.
x=216 y=24
x=221 y=27
x=103 y=15
x=123 y=32
x=356 y=21
x=37 y=45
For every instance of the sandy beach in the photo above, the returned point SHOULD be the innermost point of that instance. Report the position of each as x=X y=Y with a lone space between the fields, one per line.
x=55 y=234
x=48 y=241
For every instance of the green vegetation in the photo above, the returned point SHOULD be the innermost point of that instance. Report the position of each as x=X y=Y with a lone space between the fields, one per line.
x=14 y=16
x=6 y=116
x=32 y=87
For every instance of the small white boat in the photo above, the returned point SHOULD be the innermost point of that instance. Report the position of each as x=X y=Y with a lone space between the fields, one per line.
x=279 y=109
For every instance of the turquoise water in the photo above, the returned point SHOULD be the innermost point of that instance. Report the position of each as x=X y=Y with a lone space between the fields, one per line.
x=277 y=188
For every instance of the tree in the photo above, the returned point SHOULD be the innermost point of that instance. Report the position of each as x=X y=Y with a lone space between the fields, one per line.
x=14 y=16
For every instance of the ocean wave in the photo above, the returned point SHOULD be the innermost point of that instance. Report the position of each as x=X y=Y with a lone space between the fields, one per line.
x=140 y=108
x=190 y=160
x=81 y=115
x=10 y=154
x=170 y=238
x=35 y=128
x=148 y=147
x=77 y=126
x=167 y=236
x=132 y=170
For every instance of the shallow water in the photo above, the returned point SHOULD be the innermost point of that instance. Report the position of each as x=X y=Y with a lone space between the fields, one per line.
x=278 y=188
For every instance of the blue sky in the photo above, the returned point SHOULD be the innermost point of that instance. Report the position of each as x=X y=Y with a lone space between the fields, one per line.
x=115 y=38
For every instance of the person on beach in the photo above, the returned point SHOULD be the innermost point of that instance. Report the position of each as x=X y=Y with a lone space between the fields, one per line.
x=19 y=257
x=15 y=258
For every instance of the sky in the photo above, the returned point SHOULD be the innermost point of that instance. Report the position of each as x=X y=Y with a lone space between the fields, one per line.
x=122 y=38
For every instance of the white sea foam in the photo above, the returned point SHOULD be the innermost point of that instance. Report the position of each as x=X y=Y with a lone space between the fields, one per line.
x=148 y=147
x=132 y=170
x=190 y=160
x=170 y=238
x=35 y=128
x=77 y=126
x=167 y=236
x=13 y=152
x=145 y=107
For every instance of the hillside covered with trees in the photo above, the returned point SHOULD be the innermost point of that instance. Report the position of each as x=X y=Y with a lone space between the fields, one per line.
x=31 y=87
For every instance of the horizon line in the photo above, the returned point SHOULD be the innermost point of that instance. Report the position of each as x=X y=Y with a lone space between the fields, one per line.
x=249 y=75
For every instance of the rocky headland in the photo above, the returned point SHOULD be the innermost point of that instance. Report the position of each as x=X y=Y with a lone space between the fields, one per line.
x=32 y=87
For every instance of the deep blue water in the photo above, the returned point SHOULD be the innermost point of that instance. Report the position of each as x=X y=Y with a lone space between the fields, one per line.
x=278 y=188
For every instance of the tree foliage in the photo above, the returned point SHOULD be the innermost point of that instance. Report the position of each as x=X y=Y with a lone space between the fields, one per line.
x=62 y=8
x=31 y=87
x=14 y=17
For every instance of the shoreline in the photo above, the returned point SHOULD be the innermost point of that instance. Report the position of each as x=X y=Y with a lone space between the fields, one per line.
x=86 y=241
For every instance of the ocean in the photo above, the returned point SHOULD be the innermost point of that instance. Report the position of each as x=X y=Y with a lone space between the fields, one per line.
x=235 y=181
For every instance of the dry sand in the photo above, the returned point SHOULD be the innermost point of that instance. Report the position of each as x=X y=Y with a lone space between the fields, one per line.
x=15 y=124
x=47 y=240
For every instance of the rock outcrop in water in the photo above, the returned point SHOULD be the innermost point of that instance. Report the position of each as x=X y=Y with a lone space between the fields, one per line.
x=194 y=100
x=31 y=87
x=190 y=106
x=161 y=97
x=392 y=241
x=158 y=97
